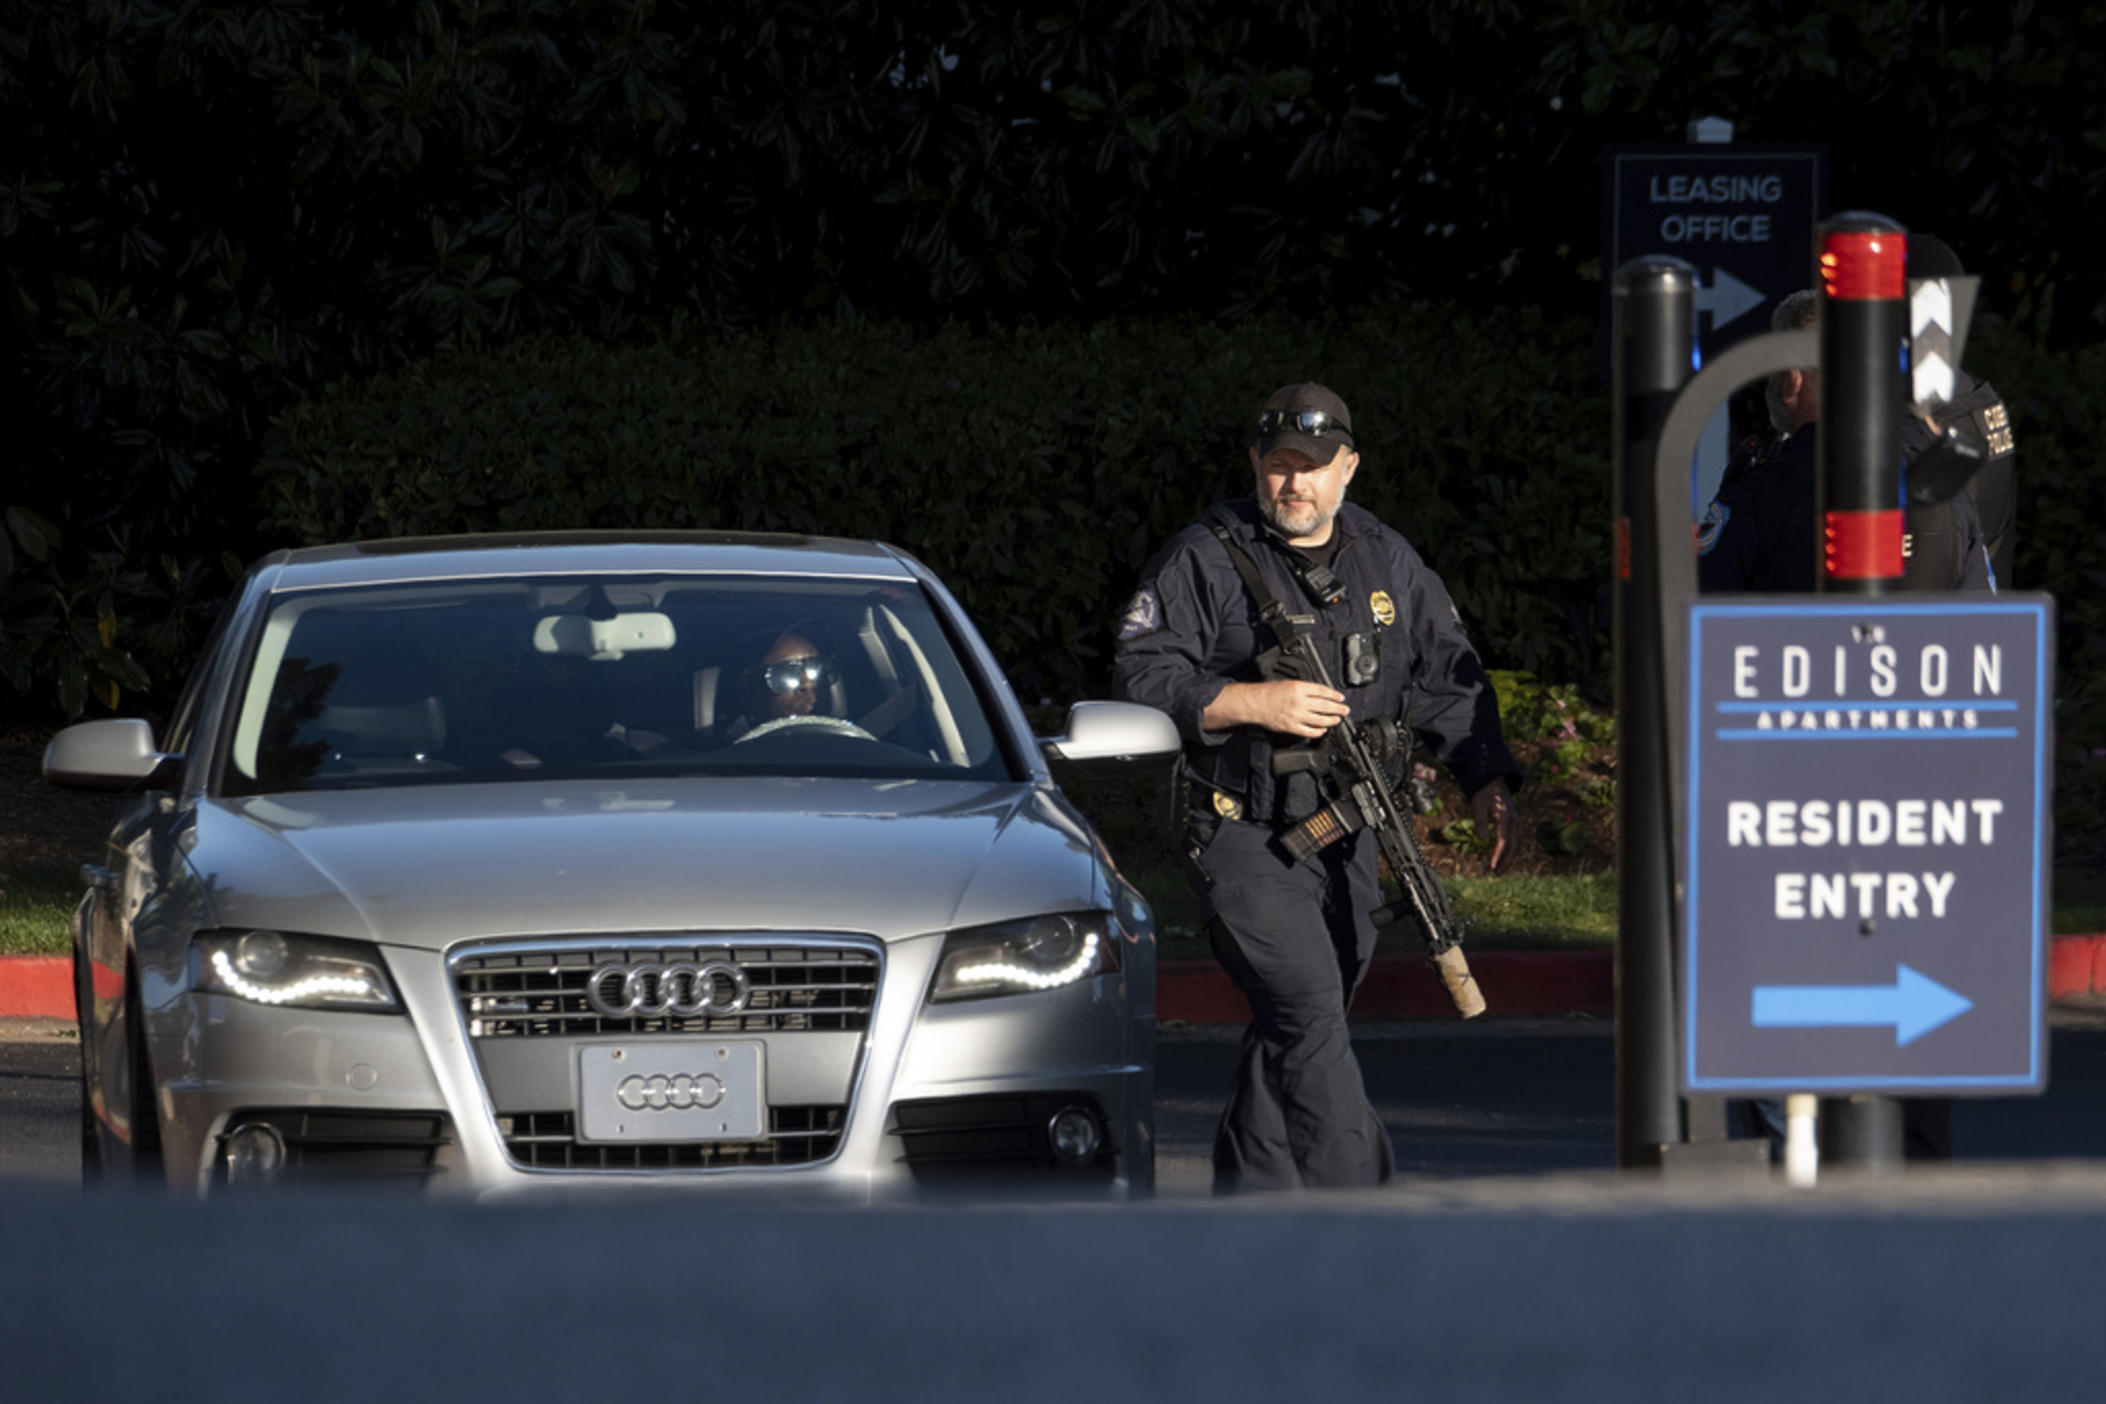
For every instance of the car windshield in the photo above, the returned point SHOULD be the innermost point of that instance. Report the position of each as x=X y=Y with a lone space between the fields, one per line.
x=469 y=681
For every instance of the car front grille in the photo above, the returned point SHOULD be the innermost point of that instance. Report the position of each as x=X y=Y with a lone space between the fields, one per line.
x=795 y=1136
x=530 y=1011
x=544 y=993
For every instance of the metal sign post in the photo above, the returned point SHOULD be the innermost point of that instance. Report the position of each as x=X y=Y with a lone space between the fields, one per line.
x=1650 y=331
x=1864 y=329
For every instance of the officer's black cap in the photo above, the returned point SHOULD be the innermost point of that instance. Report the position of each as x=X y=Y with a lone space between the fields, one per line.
x=1305 y=398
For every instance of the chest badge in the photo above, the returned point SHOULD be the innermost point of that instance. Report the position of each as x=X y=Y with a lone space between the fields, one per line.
x=1384 y=607
x=1227 y=806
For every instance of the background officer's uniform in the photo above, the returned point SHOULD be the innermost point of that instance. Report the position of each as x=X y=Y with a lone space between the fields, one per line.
x=1297 y=937
x=1760 y=532
x=1992 y=488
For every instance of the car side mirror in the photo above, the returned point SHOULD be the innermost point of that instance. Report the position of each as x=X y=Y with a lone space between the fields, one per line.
x=117 y=753
x=1113 y=734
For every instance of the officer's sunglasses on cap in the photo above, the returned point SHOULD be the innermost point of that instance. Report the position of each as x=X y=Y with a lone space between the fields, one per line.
x=1314 y=423
x=787 y=675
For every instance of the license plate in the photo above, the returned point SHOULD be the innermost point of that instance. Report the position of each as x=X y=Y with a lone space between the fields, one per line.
x=670 y=1090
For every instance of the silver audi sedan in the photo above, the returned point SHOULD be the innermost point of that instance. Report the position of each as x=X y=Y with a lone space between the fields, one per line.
x=520 y=863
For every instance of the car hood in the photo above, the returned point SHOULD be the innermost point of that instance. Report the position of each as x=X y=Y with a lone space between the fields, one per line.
x=429 y=866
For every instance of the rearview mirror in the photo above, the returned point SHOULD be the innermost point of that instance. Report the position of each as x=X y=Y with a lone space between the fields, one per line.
x=581 y=636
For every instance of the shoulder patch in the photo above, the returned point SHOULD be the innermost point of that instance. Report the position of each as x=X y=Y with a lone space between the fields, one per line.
x=1714 y=522
x=1144 y=615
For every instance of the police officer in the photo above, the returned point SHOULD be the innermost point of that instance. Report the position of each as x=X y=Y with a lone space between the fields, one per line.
x=1296 y=937
x=1979 y=416
x=1760 y=532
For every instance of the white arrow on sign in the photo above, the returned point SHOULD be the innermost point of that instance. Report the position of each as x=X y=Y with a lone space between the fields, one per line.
x=1930 y=341
x=1726 y=298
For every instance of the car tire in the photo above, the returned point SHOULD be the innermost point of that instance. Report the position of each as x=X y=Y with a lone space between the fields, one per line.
x=90 y=1124
x=144 y=1118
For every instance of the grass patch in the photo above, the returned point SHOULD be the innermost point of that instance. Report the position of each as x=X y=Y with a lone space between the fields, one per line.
x=1511 y=913
x=2080 y=903
x=1537 y=913
x=36 y=910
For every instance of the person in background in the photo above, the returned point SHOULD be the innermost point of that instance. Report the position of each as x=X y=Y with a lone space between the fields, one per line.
x=1979 y=412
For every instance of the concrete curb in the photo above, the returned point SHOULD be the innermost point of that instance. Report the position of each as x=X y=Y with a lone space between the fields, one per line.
x=1197 y=992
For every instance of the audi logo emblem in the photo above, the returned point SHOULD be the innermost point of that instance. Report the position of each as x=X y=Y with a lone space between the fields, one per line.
x=684 y=988
x=680 y=1092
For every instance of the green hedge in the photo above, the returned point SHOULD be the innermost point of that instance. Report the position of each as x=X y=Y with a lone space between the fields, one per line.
x=212 y=211
x=1037 y=468
x=1034 y=468
x=2058 y=421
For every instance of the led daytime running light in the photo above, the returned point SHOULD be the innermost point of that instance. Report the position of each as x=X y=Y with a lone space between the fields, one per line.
x=1004 y=971
x=349 y=986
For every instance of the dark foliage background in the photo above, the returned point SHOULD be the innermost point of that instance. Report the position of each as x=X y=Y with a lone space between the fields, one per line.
x=1035 y=469
x=214 y=212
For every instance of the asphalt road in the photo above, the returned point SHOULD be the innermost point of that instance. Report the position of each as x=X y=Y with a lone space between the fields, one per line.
x=1508 y=1261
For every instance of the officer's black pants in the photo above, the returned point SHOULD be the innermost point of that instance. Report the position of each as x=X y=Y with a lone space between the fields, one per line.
x=1296 y=939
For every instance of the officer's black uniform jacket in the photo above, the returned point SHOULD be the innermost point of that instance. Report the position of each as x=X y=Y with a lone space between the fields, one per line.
x=1193 y=628
x=1993 y=486
x=1759 y=533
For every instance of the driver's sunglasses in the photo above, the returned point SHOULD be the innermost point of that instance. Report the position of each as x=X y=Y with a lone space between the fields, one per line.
x=789 y=674
x=1314 y=423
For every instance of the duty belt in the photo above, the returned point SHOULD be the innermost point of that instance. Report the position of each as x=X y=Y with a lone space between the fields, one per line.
x=1204 y=800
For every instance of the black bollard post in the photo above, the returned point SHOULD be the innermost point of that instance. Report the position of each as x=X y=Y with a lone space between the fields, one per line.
x=1863 y=269
x=1652 y=328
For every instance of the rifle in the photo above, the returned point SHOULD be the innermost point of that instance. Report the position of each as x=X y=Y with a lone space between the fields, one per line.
x=1354 y=780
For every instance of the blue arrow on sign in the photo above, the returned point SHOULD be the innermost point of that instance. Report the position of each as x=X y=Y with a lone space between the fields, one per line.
x=1914 y=1004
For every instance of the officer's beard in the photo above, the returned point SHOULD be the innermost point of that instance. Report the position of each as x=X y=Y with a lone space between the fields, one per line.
x=1295 y=520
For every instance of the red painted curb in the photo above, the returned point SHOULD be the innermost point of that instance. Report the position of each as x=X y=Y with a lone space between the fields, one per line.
x=36 y=987
x=2089 y=977
x=1199 y=992
x=2070 y=963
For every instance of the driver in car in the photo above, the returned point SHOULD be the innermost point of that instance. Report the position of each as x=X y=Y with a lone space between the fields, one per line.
x=784 y=689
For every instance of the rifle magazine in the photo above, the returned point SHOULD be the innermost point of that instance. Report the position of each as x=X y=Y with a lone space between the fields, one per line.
x=1319 y=831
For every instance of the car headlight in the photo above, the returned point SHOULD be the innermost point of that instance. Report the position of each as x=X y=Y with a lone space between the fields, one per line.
x=274 y=967
x=1014 y=957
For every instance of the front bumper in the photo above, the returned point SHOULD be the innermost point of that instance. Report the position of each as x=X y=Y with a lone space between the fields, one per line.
x=440 y=1108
